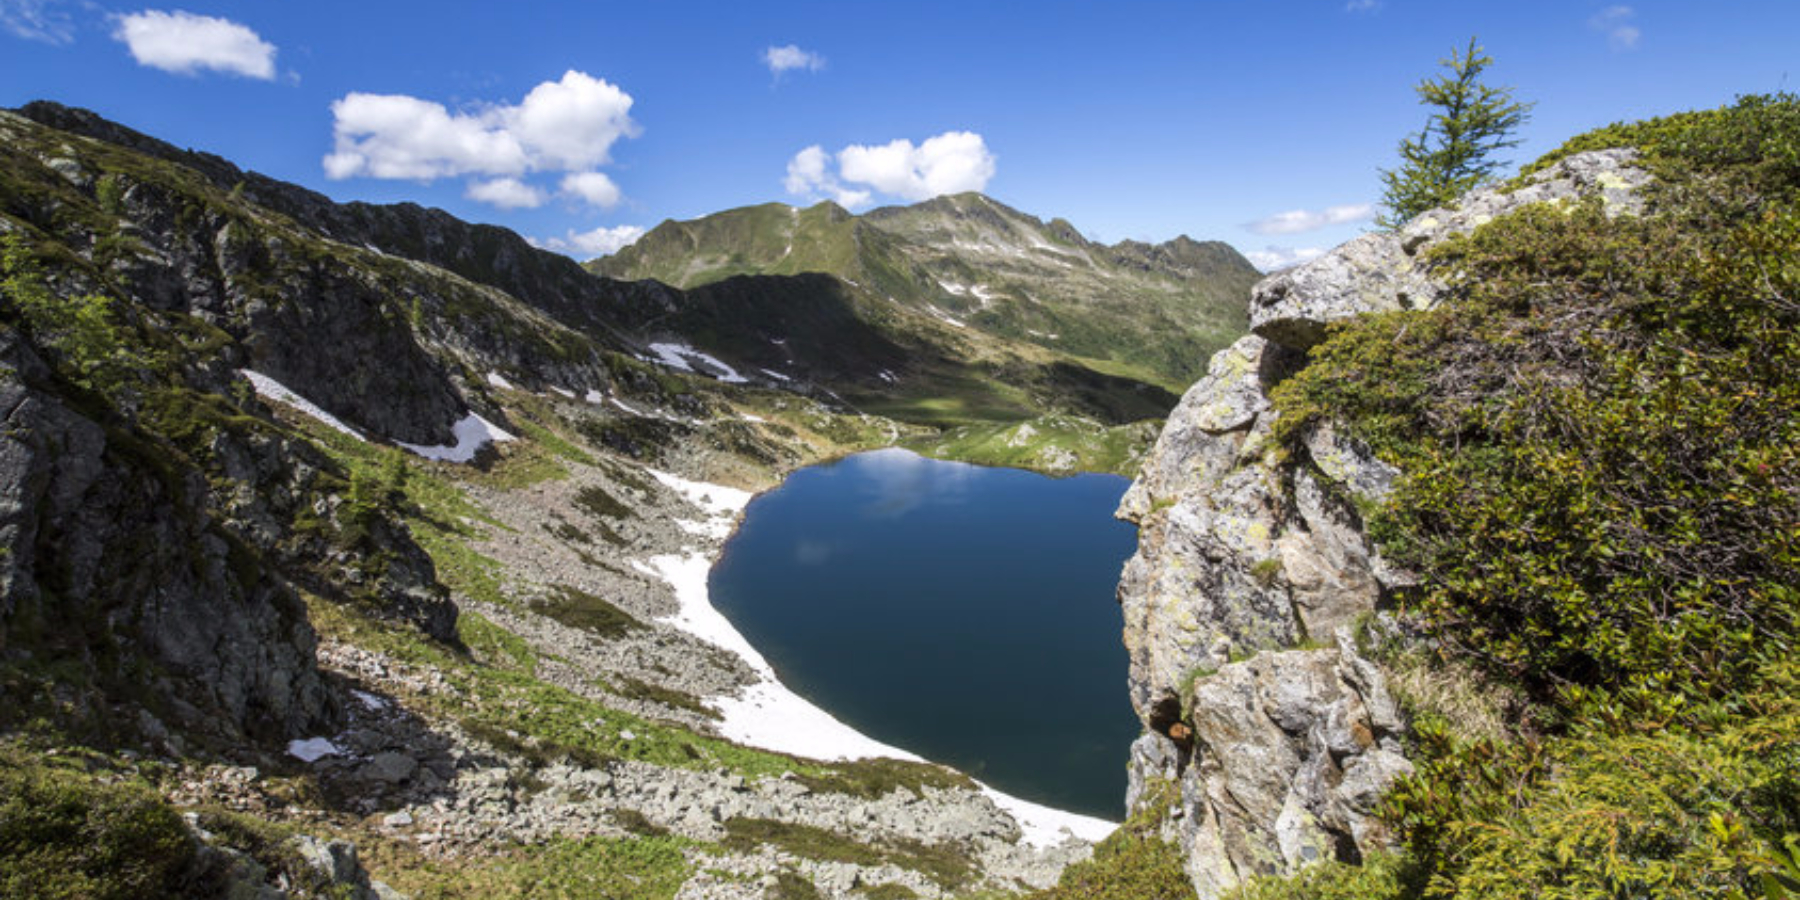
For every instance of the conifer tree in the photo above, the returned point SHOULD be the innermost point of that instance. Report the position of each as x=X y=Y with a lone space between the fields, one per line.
x=1455 y=150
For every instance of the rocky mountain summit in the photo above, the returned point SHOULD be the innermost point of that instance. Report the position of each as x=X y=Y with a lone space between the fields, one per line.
x=1255 y=589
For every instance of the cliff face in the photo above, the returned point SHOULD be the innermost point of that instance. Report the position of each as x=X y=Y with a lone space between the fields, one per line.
x=1253 y=569
x=111 y=565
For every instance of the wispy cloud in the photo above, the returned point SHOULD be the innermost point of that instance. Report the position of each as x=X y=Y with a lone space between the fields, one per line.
x=1296 y=221
x=37 y=20
x=1363 y=6
x=781 y=60
x=567 y=126
x=1615 y=23
x=949 y=163
x=589 y=244
x=1271 y=258
x=186 y=44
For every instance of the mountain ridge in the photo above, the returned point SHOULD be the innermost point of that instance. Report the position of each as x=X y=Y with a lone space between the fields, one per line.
x=973 y=262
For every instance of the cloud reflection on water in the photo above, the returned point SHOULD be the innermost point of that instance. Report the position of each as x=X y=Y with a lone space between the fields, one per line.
x=903 y=481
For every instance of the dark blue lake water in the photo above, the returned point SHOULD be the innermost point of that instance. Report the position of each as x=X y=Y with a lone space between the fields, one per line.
x=963 y=613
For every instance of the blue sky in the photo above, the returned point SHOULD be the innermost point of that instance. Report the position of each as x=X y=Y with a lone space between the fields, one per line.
x=574 y=123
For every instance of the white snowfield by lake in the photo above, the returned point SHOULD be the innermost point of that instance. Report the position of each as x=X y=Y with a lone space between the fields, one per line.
x=771 y=716
x=472 y=433
x=678 y=356
x=271 y=389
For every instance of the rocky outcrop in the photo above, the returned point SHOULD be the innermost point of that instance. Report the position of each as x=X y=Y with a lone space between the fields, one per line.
x=1252 y=567
x=109 y=560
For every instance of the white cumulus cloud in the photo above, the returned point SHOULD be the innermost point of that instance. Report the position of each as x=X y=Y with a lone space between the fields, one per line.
x=809 y=174
x=572 y=123
x=589 y=244
x=37 y=20
x=185 y=43
x=396 y=136
x=567 y=126
x=1270 y=259
x=1615 y=23
x=1295 y=221
x=784 y=59
x=592 y=188
x=949 y=163
x=506 y=193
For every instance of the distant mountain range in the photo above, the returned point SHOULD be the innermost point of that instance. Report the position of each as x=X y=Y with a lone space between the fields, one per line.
x=1154 y=313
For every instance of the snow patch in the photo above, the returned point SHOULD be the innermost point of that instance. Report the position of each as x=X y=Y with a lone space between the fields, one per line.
x=650 y=414
x=271 y=389
x=716 y=499
x=1044 y=826
x=563 y=391
x=594 y=397
x=887 y=376
x=472 y=433
x=681 y=356
x=776 y=375
x=313 y=749
x=498 y=380
x=946 y=317
x=370 y=701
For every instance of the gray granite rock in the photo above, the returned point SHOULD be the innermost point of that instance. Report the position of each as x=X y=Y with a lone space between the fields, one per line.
x=1385 y=271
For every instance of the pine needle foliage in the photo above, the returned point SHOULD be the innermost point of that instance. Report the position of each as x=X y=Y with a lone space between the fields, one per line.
x=1455 y=150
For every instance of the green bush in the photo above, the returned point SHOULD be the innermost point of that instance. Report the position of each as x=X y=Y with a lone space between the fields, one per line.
x=1600 y=435
x=1132 y=863
x=1665 y=810
x=80 y=329
x=1377 y=878
x=1602 y=444
x=66 y=834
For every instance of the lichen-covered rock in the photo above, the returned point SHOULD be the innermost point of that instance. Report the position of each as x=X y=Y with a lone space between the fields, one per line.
x=1384 y=271
x=1291 y=753
x=334 y=864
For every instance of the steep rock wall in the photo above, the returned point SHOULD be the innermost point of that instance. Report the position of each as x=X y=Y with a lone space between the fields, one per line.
x=112 y=567
x=1252 y=567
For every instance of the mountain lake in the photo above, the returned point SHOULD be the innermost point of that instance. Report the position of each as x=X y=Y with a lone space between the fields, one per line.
x=963 y=613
